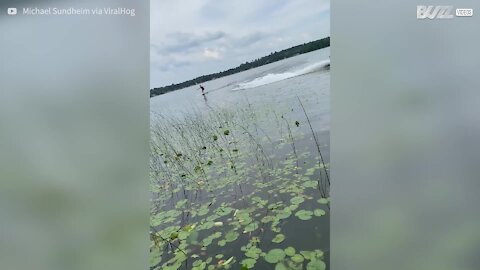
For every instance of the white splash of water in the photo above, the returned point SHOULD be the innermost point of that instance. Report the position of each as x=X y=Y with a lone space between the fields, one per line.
x=272 y=78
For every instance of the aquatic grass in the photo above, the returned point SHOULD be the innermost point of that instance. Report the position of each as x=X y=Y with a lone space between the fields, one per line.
x=322 y=164
x=292 y=142
x=223 y=190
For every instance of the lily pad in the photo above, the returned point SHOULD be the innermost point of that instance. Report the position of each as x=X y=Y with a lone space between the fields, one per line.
x=155 y=256
x=251 y=227
x=307 y=254
x=203 y=211
x=223 y=211
x=293 y=207
x=207 y=241
x=310 y=184
x=248 y=263
x=290 y=251
x=245 y=220
x=297 y=258
x=304 y=214
x=297 y=200
x=183 y=235
x=323 y=201
x=319 y=212
x=267 y=219
x=181 y=204
x=278 y=238
x=284 y=214
x=197 y=263
x=280 y=266
x=316 y=265
x=318 y=253
x=253 y=252
x=231 y=236
x=275 y=255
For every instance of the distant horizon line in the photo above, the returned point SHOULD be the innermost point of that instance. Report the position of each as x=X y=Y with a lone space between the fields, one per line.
x=197 y=77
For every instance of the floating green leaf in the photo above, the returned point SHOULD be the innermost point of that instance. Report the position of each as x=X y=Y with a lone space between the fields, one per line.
x=231 y=236
x=203 y=211
x=278 y=238
x=275 y=255
x=316 y=265
x=175 y=266
x=280 y=266
x=304 y=214
x=267 y=219
x=183 y=235
x=197 y=263
x=318 y=253
x=297 y=258
x=309 y=255
x=253 y=252
x=290 y=251
x=285 y=213
x=293 y=207
x=248 y=263
x=181 y=204
x=207 y=241
x=155 y=256
x=192 y=238
x=174 y=236
x=319 y=212
x=310 y=184
x=297 y=200
x=323 y=201
x=223 y=211
x=251 y=227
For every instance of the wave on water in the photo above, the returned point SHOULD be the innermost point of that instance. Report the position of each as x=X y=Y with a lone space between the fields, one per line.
x=276 y=77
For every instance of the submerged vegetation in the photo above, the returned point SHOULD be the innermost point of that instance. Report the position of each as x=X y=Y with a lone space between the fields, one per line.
x=231 y=189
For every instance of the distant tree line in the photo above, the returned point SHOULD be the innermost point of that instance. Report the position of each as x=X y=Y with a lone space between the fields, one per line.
x=273 y=57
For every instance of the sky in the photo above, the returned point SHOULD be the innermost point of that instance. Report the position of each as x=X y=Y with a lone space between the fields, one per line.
x=190 y=38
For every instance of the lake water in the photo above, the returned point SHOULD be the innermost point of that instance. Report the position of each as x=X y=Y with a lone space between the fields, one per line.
x=299 y=79
x=265 y=208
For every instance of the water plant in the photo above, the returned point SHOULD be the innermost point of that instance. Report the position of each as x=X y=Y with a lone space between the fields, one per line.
x=227 y=193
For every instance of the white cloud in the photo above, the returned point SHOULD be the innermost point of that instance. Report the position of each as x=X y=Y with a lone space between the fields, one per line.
x=212 y=53
x=187 y=35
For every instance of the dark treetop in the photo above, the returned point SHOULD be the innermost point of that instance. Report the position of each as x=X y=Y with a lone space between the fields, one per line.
x=273 y=57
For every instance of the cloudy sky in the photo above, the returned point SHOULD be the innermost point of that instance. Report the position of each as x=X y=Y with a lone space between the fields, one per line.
x=190 y=38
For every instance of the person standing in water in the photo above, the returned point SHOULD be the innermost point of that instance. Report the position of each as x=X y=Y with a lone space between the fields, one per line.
x=203 y=89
